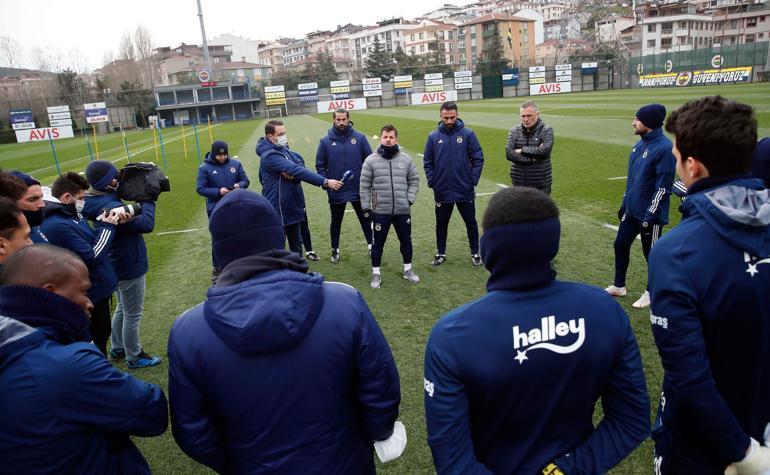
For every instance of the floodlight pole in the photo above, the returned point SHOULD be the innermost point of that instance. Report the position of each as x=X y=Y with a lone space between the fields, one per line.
x=206 y=55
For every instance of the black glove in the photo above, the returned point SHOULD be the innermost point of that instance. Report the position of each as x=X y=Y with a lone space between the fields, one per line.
x=621 y=213
x=646 y=230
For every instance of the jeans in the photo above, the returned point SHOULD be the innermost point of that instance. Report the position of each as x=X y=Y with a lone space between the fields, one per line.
x=381 y=224
x=128 y=315
x=467 y=211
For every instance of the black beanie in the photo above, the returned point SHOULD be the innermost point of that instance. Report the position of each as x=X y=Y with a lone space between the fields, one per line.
x=100 y=173
x=218 y=147
x=652 y=115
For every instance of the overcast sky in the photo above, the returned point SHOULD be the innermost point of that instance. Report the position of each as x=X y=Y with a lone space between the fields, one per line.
x=86 y=30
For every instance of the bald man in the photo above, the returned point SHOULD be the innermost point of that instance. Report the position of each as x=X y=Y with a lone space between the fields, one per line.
x=63 y=406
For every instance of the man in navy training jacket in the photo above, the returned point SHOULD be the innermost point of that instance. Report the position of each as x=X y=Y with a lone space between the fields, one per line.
x=710 y=286
x=217 y=176
x=453 y=160
x=512 y=379
x=64 y=407
x=128 y=253
x=67 y=228
x=14 y=230
x=644 y=209
x=322 y=384
x=31 y=203
x=282 y=175
x=340 y=150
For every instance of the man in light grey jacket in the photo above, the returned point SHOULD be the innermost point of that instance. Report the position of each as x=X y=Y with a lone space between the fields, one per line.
x=389 y=184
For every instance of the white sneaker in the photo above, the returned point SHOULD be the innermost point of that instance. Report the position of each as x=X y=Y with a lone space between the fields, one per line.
x=411 y=276
x=376 y=281
x=616 y=291
x=644 y=301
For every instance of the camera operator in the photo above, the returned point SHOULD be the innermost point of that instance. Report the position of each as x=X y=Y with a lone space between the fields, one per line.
x=129 y=258
x=67 y=228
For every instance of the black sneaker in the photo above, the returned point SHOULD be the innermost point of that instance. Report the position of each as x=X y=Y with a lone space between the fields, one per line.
x=335 y=256
x=117 y=353
x=476 y=260
x=144 y=360
x=311 y=256
x=438 y=259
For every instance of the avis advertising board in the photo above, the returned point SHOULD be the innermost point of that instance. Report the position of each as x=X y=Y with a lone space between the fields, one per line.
x=433 y=97
x=348 y=104
x=46 y=133
x=549 y=88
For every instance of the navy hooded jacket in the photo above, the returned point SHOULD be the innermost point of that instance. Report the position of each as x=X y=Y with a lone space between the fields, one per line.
x=338 y=153
x=710 y=314
x=453 y=161
x=64 y=408
x=651 y=168
x=128 y=250
x=281 y=372
x=213 y=176
x=66 y=229
x=284 y=194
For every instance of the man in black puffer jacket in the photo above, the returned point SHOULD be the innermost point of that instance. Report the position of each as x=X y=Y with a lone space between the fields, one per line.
x=529 y=149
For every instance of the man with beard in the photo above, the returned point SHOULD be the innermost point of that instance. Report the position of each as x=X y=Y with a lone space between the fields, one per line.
x=31 y=204
x=529 y=150
x=343 y=150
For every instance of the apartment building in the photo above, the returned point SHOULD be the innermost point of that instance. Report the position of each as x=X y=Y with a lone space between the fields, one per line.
x=428 y=36
x=516 y=34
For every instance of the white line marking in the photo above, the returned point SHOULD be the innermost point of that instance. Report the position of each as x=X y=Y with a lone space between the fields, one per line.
x=615 y=228
x=176 y=232
x=350 y=211
x=485 y=194
x=420 y=155
x=618 y=178
x=501 y=185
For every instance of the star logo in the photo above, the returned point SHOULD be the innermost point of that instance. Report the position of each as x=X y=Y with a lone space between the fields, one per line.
x=752 y=266
x=521 y=356
x=440 y=141
x=334 y=144
x=214 y=172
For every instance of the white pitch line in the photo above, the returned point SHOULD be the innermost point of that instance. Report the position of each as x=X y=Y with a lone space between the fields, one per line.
x=618 y=178
x=615 y=228
x=501 y=185
x=485 y=194
x=176 y=232
x=420 y=155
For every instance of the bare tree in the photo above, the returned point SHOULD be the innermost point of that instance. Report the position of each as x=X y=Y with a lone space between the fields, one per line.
x=77 y=60
x=49 y=59
x=126 y=49
x=107 y=57
x=143 y=45
x=11 y=52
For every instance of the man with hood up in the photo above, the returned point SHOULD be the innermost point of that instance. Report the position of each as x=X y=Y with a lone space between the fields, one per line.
x=710 y=311
x=279 y=371
x=281 y=172
x=340 y=151
x=453 y=160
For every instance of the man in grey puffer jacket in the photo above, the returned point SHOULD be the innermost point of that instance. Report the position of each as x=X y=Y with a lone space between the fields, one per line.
x=529 y=148
x=389 y=184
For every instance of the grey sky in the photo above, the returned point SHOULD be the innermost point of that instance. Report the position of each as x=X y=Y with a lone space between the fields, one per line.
x=81 y=32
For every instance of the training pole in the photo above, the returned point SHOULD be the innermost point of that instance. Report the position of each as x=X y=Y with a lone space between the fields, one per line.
x=211 y=137
x=125 y=145
x=163 y=151
x=88 y=144
x=184 y=141
x=197 y=145
x=96 y=143
x=55 y=159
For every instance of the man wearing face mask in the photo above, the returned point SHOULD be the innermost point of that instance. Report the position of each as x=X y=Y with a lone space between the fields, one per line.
x=31 y=204
x=67 y=228
x=282 y=172
x=341 y=150
x=129 y=258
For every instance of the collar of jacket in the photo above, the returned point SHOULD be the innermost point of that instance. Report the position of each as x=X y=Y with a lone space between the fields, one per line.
x=59 y=318
x=247 y=267
x=459 y=125
x=533 y=128
x=652 y=134
x=335 y=134
x=213 y=160
x=54 y=207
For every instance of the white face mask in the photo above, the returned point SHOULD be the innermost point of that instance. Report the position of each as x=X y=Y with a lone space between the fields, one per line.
x=79 y=205
x=282 y=141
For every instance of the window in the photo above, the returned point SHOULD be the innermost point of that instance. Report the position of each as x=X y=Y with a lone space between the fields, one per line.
x=650 y=43
x=682 y=25
x=751 y=22
x=760 y=36
x=749 y=38
x=422 y=36
x=651 y=28
x=665 y=42
x=412 y=37
x=422 y=48
x=734 y=24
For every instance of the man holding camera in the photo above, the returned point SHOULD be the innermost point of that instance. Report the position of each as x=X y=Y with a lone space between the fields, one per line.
x=129 y=257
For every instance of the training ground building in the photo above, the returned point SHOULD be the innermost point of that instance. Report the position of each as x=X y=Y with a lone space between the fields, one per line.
x=198 y=103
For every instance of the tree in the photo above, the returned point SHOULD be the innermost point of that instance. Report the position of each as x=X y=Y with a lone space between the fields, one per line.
x=72 y=89
x=493 y=59
x=143 y=46
x=379 y=63
x=324 y=71
x=406 y=64
x=435 y=61
x=126 y=49
x=11 y=52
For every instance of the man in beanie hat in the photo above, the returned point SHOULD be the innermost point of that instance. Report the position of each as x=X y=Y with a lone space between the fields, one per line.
x=217 y=176
x=128 y=253
x=278 y=370
x=512 y=379
x=644 y=209
x=31 y=204
x=710 y=312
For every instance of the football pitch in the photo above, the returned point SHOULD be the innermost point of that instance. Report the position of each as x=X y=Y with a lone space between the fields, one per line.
x=593 y=138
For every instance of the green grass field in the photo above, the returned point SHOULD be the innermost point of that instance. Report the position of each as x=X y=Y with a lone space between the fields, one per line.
x=593 y=139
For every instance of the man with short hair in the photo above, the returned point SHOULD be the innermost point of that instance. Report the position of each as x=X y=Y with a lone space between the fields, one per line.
x=343 y=151
x=453 y=161
x=512 y=379
x=644 y=209
x=14 y=230
x=710 y=286
x=64 y=408
x=128 y=253
x=279 y=371
x=528 y=148
x=388 y=189
x=66 y=227
x=31 y=204
x=282 y=172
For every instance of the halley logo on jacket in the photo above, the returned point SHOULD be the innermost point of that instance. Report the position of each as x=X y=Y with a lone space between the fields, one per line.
x=752 y=270
x=540 y=338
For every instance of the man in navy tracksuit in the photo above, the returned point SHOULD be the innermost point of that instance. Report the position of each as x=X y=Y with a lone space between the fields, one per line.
x=282 y=178
x=453 y=160
x=341 y=150
x=32 y=205
x=217 y=176
x=64 y=408
x=322 y=386
x=67 y=228
x=129 y=258
x=710 y=313
x=644 y=209
x=512 y=379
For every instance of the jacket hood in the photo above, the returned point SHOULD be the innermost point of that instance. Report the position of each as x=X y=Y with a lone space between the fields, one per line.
x=210 y=159
x=739 y=211
x=16 y=338
x=54 y=206
x=265 y=146
x=459 y=125
x=269 y=306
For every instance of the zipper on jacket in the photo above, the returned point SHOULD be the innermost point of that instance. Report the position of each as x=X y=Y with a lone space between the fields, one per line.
x=392 y=188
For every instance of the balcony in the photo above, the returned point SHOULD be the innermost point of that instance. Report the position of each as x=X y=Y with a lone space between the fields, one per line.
x=666 y=31
x=488 y=33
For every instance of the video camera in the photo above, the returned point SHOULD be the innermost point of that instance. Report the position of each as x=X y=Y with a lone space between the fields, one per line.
x=142 y=182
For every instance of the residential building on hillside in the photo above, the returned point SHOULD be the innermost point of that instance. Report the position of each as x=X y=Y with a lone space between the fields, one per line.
x=429 y=36
x=241 y=49
x=515 y=34
x=390 y=33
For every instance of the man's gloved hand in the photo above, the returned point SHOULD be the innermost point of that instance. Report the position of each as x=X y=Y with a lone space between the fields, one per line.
x=621 y=214
x=757 y=460
x=392 y=447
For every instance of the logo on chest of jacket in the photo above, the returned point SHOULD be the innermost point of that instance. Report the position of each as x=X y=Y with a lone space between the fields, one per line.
x=353 y=141
x=440 y=140
x=644 y=155
x=753 y=262
x=400 y=165
x=232 y=169
x=214 y=172
x=459 y=140
x=378 y=227
x=334 y=144
x=544 y=338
